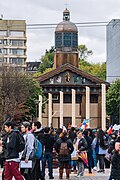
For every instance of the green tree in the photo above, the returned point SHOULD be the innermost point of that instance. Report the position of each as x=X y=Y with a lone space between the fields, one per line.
x=113 y=101
x=84 y=52
x=47 y=60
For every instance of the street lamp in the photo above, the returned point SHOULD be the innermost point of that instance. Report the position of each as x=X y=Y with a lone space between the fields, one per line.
x=36 y=107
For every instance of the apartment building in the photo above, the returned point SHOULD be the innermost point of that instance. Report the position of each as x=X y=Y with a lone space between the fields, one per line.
x=13 y=43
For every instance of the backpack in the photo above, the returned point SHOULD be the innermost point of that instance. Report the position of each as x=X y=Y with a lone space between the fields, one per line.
x=38 y=149
x=64 y=149
x=20 y=142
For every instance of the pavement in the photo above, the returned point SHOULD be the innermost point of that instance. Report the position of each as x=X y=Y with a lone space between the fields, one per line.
x=87 y=176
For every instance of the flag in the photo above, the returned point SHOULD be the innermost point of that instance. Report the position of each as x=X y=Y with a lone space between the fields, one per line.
x=109 y=131
x=84 y=125
x=83 y=156
x=64 y=128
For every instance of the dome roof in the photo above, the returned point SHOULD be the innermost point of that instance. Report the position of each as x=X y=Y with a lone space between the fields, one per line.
x=66 y=26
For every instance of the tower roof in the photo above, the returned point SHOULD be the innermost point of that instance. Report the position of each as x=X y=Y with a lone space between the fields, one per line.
x=66 y=25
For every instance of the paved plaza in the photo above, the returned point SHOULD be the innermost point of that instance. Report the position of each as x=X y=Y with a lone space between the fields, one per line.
x=87 y=176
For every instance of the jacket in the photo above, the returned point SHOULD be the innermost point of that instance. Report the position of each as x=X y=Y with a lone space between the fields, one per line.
x=115 y=169
x=70 y=147
x=82 y=146
x=11 y=150
x=48 y=143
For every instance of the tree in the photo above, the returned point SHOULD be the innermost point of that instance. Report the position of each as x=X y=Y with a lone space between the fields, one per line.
x=84 y=52
x=113 y=101
x=47 y=60
x=95 y=69
x=17 y=89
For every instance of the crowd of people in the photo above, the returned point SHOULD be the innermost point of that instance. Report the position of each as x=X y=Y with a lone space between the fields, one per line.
x=74 y=150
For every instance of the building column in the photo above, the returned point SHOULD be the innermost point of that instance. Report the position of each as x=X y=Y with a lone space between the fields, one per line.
x=103 y=107
x=40 y=109
x=88 y=104
x=61 y=109
x=49 y=109
x=83 y=109
x=73 y=107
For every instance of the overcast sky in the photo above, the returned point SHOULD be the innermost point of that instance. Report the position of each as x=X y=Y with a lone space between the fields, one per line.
x=50 y=11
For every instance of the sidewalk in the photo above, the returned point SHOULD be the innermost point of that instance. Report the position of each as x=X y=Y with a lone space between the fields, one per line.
x=87 y=176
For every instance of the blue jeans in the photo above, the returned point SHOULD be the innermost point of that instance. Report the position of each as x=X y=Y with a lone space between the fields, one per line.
x=49 y=158
x=73 y=164
x=94 y=158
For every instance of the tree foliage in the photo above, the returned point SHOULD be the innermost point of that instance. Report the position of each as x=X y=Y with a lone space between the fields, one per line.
x=18 y=94
x=47 y=60
x=113 y=100
x=95 y=69
x=84 y=52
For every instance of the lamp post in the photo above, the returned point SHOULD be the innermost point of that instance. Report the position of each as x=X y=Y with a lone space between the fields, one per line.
x=36 y=107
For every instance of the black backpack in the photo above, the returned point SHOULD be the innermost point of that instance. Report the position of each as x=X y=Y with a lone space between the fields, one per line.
x=20 y=142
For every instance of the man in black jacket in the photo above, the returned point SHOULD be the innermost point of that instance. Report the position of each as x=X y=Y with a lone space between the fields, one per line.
x=38 y=132
x=64 y=157
x=11 y=165
x=48 y=143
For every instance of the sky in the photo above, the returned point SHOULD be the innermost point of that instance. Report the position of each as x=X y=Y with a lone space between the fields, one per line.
x=50 y=11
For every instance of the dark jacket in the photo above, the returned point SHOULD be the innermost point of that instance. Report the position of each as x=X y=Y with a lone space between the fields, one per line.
x=11 y=150
x=89 y=142
x=82 y=146
x=72 y=135
x=115 y=169
x=48 y=143
x=70 y=147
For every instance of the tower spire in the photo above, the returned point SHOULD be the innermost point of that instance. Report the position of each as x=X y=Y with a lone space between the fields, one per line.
x=66 y=15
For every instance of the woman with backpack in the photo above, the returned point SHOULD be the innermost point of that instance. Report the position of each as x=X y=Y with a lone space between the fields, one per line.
x=64 y=148
x=101 y=149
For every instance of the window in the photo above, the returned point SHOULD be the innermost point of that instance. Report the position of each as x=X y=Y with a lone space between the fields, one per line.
x=17 y=51
x=75 y=40
x=3 y=51
x=16 y=43
x=67 y=39
x=19 y=61
x=17 y=33
x=58 y=40
x=3 y=33
x=93 y=98
x=67 y=98
x=78 y=98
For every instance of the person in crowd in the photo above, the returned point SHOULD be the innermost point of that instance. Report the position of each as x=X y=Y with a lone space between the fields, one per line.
x=11 y=164
x=98 y=143
x=74 y=155
x=82 y=146
x=115 y=169
x=3 y=141
x=28 y=173
x=48 y=143
x=72 y=134
x=89 y=152
x=38 y=132
x=58 y=132
x=64 y=148
x=94 y=151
